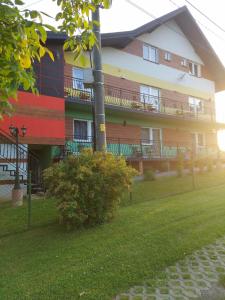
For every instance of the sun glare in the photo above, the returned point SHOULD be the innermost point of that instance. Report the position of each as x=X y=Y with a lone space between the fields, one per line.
x=220 y=116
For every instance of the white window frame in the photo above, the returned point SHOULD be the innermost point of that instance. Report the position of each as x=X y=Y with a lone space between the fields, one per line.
x=184 y=62
x=197 y=146
x=149 y=96
x=147 y=53
x=150 y=129
x=192 y=70
x=193 y=102
x=168 y=56
x=89 y=130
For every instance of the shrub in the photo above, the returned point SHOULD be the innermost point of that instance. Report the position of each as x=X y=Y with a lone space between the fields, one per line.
x=149 y=175
x=88 y=187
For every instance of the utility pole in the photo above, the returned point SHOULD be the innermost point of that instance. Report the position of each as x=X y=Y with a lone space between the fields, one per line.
x=99 y=93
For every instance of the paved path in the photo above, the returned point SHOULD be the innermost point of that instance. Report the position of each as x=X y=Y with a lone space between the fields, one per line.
x=196 y=277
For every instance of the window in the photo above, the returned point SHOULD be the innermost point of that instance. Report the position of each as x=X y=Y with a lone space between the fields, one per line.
x=195 y=105
x=78 y=79
x=150 y=53
x=167 y=56
x=198 y=140
x=150 y=95
x=194 y=69
x=150 y=135
x=184 y=62
x=151 y=142
x=83 y=130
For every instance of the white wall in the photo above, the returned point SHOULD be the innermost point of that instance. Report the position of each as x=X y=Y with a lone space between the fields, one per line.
x=157 y=74
x=170 y=37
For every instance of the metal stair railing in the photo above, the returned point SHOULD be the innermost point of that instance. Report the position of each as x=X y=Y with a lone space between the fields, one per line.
x=27 y=159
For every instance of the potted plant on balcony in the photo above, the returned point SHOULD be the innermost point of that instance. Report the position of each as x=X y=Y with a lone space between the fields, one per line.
x=84 y=96
x=179 y=112
x=136 y=105
x=150 y=107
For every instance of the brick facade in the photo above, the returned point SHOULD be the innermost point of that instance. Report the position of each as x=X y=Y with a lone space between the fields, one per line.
x=131 y=134
x=136 y=48
x=124 y=132
x=68 y=70
x=69 y=127
x=131 y=90
x=176 y=137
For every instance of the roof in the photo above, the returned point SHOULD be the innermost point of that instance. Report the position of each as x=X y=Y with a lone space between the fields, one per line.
x=188 y=25
x=192 y=31
x=58 y=37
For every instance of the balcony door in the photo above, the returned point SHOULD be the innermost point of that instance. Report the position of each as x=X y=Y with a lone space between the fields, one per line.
x=150 y=95
x=78 y=79
x=196 y=105
x=151 y=139
x=198 y=142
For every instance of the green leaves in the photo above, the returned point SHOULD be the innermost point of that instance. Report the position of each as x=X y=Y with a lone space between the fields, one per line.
x=107 y=3
x=88 y=187
x=22 y=41
x=19 y=2
x=75 y=17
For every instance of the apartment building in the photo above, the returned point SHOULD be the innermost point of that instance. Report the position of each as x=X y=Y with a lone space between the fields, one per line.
x=160 y=85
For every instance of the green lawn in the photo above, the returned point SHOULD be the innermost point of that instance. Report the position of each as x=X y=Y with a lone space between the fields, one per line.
x=145 y=238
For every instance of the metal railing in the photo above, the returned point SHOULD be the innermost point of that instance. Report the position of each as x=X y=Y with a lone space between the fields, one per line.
x=139 y=149
x=27 y=159
x=74 y=90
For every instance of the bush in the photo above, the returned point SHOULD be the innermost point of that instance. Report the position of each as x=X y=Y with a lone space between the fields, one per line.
x=149 y=175
x=88 y=187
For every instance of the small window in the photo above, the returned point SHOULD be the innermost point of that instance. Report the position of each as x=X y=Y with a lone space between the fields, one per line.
x=83 y=130
x=167 y=56
x=184 y=62
x=80 y=130
x=150 y=53
x=194 y=69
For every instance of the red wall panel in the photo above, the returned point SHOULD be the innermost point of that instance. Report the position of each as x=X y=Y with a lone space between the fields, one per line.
x=43 y=116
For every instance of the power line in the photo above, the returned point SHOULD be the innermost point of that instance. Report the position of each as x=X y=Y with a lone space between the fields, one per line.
x=204 y=48
x=31 y=4
x=203 y=14
x=203 y=25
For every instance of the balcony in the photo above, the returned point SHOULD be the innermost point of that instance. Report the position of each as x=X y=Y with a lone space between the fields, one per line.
x=134 y=149
x=122 y=99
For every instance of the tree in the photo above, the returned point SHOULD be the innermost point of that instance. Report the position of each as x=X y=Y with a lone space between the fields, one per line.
x=23 y=36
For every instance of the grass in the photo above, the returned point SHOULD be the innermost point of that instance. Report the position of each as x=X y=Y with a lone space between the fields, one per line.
x=146 y=237
x=163 y=187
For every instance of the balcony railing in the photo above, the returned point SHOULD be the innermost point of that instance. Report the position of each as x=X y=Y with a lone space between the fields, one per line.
x=139 y=149
x=134 y=101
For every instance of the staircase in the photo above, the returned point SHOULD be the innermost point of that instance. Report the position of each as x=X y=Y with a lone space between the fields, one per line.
x=28 y=161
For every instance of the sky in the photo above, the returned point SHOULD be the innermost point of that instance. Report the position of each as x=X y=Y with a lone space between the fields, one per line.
x=123 y=15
